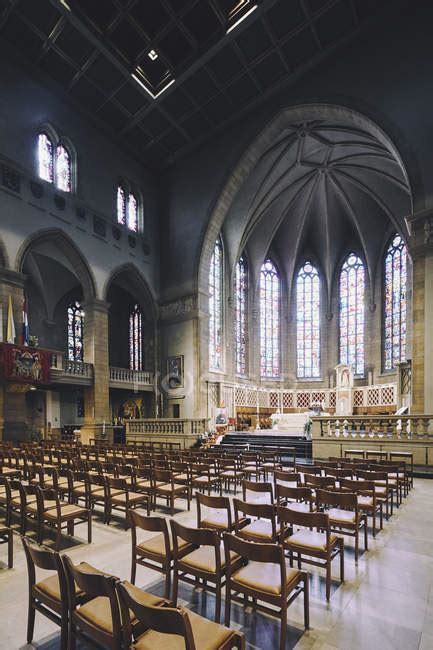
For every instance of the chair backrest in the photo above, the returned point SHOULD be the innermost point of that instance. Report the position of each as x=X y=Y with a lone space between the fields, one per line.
x=319 y=520
x=215 y=502
x=293 y=493
x=163 y=475
x=339 y=499
x=283 y=477
x=319 y=481
x=359 y=486
x=165 y=620
x=257 y=487
x=195 y=536
x=259 y=510
x=254 y=552
x=150 y=524
x=46 y=559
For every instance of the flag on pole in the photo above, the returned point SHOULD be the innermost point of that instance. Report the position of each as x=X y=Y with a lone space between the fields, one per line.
x=25 y=334
x=11 y=333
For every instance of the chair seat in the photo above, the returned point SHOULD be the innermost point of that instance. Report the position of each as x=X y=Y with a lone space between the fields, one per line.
x=301 y=506
x=260 y=529
x=10 y=471
x=339 y=516
x=62 y=482
x=50 y=587
x=30 y=498
x=216 y=519
x=230 y=473
x=203 y=559
x=168 y=488
x=207 y=636
x=265 y=577
x=203 y=480
x=48 y=505
x=70 y=510
x=309 y=539
x=181 y=477
x=133 y=497
x=144 y=483
x=156 y=546
x=97 y=611
x=365 y=501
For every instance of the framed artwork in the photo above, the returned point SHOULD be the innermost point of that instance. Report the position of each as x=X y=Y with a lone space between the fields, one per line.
x=175 y=371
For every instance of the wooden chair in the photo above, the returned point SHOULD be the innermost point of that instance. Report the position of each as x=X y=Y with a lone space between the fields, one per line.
x=53 y=513
x=261 y=492
x=120 y=497
x=262 y=529
x=204 y=478
x=155 y=552
x=164 y=625
x=320 y=544
x=266 y=577
x=48 y=596
x=166 y=487
x=324 y=482
x=6 y=537
x=283 y=477
x=384 y=492
x=268 y=463
x=230 y=472
x=295 y=498
x=344 y=515
x=217 y=514
x=205 y=562
x=367 y=502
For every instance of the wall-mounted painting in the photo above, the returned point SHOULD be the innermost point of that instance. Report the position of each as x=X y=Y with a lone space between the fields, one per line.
x=175 y=371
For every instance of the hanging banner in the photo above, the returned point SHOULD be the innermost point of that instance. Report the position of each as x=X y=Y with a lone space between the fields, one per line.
x=23 y=364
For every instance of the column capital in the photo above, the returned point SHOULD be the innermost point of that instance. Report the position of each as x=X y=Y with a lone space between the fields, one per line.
x=96 y=305
x=12 y=278
x=420 y=226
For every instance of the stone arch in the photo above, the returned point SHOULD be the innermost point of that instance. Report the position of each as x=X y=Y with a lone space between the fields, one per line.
x=70 y=251
x=138 y=286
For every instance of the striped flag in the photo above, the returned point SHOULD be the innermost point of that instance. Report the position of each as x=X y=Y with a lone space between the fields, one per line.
x=11 y=332
x=25 y=334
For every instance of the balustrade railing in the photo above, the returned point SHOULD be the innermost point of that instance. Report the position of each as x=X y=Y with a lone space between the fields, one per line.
x=166 y=426
x=78 y=368
x=396 y=427
x=126 y=375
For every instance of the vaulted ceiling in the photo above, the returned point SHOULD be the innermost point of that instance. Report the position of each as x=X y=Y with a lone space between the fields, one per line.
x=209 y=67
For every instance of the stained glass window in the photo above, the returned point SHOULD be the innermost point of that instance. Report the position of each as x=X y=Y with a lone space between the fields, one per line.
x=352 y=291
x=395 y=302
x=241 y=316
x=216 y=308
x=45 y=158
x=132 y=213
x=269 y=320
x=121 y=205
x=136 y=339
x=75 y=332
x=63 y=169
x=308 y=322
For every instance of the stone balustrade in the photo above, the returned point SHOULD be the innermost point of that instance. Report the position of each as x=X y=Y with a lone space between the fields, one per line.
x=397 y=427
x=166 y=426
x=125 y=375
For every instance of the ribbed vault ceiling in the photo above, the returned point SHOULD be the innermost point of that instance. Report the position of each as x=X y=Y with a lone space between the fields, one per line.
x=320 y=188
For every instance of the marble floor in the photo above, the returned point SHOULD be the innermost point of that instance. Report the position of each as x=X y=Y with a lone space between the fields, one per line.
x=385 y=603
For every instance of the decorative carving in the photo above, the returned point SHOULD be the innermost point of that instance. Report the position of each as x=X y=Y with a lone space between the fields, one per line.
x=99 y=226
x=60 y=202
x=11 y=179
x=180 y=307
x=37 y=189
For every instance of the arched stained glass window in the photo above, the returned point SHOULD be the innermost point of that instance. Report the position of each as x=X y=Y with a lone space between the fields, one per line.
x=121 y=205
x=308 y=322
x=352 y=308
x=216 y=308
x=395 y=302
x=132 y=213
x=45 y=158
x=63 y=169
x=269 y=320
x=136 y=339
x=241 y=316
x=75 y=332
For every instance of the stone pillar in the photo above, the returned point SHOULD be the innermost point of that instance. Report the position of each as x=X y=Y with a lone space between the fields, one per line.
x=96 y=397
x=13 y=420
x=421 y=250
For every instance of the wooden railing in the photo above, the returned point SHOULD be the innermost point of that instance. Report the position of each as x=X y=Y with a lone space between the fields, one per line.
x=166 y=426
x=125 y=375
x=396 y=427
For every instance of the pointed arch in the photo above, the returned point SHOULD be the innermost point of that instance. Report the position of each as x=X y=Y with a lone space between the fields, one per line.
x=270 y=320
x=395 y=303
x=308 y=322
x=352 y=313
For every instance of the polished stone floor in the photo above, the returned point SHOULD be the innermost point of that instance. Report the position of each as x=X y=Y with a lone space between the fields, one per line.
x=385 y=603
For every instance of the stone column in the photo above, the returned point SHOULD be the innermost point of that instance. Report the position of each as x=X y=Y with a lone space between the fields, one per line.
x=13 y=412
x=421 y=250
x=96 y=397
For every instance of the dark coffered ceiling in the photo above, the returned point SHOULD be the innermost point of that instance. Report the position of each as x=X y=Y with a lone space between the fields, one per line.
x=202 y=78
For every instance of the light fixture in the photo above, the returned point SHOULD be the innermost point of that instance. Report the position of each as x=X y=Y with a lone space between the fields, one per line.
x=33 y=388
x=246 y=14
x=152 y=55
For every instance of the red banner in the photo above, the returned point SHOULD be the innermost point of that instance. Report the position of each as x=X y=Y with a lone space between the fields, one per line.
x=20 y=363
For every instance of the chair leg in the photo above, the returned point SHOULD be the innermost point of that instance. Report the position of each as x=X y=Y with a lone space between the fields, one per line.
x=227 y=606
x=167 y=581
x=89 y=527
x=175 y=584
x=283 y=632
x=356 y=543
x=306 y=602
x=218 y=601
x=64 y=630
x=72 y=636
x=328 y=578
x=58 y=536
x=342 y=560
x=10 y=549
x=30 y=622
x=365 y=534
x=133 y=568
